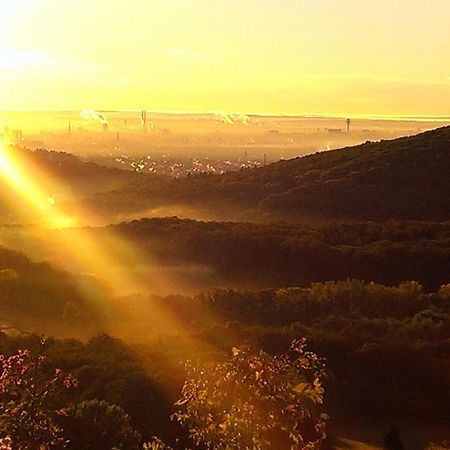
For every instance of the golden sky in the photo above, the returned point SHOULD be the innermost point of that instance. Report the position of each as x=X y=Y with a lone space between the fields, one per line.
x=351 y=57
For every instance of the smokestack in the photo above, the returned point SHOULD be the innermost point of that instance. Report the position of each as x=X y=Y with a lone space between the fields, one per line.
x=90 y=114
x=144 y=120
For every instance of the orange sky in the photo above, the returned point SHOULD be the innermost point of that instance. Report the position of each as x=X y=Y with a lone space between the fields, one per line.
x=351 y=57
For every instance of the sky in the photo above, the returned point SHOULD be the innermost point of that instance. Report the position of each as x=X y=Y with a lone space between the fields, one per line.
x=333 y=57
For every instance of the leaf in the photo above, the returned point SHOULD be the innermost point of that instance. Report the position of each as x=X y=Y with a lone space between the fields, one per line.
x=300 y=387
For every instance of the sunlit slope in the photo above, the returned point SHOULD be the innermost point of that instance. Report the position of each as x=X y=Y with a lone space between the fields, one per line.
x=406 y=178
x=39 y=298
x=71 y=178
x=186 y=256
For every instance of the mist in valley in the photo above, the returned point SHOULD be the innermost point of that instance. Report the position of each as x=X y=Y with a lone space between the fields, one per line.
x=224 y=225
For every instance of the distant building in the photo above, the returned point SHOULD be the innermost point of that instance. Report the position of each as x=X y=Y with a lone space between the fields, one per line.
x=12 y=136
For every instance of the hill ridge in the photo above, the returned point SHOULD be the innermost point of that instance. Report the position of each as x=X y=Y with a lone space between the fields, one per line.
x=405 y=178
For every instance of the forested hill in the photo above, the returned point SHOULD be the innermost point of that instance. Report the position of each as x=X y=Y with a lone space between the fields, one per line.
x=62 y=176
x=73 y=173
x=290 y=254
x=406 y=178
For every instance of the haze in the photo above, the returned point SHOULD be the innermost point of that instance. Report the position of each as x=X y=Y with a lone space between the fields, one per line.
x=335 y=57
x=225 y=224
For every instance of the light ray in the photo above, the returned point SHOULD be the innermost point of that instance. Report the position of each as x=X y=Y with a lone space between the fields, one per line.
x=109 y=256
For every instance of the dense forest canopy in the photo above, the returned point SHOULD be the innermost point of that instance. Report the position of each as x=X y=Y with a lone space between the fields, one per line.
x=372 y=338
x=289 y=254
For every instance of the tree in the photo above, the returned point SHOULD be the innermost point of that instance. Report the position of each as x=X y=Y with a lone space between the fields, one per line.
x=28 y=402
x=156 y=444
x=97 y=425
x=255 y=401
x=392 y=440
x=445 y=445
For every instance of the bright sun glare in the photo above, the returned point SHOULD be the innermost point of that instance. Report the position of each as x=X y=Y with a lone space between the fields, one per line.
x=15 y=174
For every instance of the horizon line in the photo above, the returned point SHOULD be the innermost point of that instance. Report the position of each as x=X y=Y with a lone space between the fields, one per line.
x=356 y=116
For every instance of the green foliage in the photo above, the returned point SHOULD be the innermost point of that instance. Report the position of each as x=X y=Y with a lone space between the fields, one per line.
x=97 y=425
x=373 y=337
x=445 y=445
x=55 y=306
x=108 y=370
x=292 y=254
x=156 y=444
x=255 y=401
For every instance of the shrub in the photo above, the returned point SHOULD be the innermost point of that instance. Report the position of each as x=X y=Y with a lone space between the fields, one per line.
x=28 y=402
x=97 y=425
x=256 y=401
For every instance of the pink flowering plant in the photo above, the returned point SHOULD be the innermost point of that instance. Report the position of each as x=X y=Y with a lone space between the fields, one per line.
x=28 y=399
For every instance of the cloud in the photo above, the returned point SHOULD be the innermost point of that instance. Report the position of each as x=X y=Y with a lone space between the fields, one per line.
x=370 y=78
x=23 y=64
x=185 y=55
x=11 y=59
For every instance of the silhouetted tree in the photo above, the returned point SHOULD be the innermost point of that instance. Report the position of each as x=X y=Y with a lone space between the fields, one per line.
x=97 y=425
x=392 y=440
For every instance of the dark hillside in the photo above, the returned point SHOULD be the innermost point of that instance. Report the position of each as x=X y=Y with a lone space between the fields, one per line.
x=286 y=254
x=406 y=178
